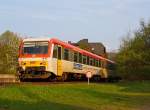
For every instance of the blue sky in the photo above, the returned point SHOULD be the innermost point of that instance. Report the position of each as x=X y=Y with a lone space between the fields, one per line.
x=105 y=21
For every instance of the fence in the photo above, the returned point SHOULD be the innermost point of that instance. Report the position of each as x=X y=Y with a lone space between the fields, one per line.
x=8 y=78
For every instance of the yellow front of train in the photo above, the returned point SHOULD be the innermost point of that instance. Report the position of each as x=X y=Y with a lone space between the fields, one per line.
x=33 y=58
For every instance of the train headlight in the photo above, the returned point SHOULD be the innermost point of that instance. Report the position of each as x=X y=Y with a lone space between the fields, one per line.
x=43 y=63
x=23 y=63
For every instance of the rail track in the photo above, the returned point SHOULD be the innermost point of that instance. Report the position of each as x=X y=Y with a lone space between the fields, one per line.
x=7 y=80
x=41 y=82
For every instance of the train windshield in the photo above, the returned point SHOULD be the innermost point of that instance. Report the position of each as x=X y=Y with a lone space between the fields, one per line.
x=38 y=47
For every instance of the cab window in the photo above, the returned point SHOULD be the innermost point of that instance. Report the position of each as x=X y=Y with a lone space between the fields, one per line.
x=55 y=51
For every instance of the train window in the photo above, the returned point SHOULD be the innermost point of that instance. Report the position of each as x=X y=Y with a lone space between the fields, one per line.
x=55 y=51
x=104 y=64
x=80 y=58
x=88 y=60
x=71 y=55
x=75 y=57
x=35 y=47
x=91 y=61
x=99 y=63
x=96 y=63
x=66 y=54
x=84 y=59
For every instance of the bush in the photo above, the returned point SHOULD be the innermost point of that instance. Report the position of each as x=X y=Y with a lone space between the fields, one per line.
x=9 y=43
x=133 y=58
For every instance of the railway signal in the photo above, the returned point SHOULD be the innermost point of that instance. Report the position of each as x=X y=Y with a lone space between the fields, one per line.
x=88 y=75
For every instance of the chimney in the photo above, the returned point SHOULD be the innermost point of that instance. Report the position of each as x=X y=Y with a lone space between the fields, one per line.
x=83 y=41
x=69 y=42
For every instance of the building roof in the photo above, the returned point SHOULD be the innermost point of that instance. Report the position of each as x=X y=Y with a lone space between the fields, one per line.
x=94 y=47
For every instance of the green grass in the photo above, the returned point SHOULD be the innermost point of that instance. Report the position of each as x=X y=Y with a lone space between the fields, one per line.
x=77 y=96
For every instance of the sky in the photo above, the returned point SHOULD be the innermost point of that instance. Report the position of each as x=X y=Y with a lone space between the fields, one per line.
x=105 y=21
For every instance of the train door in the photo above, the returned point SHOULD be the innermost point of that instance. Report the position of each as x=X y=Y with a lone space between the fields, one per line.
x=104 y=69
x=59 y=61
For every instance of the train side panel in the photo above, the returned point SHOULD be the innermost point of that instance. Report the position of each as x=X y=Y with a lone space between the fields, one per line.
x=72 y=67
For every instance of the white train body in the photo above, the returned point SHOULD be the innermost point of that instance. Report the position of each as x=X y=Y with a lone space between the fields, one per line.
x=49 y=58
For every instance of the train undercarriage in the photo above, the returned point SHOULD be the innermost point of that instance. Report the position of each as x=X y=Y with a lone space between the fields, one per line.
x=39 y=73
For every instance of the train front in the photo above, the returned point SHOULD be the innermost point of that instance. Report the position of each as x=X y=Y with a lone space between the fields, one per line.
x=33 y=59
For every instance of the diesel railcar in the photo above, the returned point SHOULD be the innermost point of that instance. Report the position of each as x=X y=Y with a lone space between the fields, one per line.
x=53 y=59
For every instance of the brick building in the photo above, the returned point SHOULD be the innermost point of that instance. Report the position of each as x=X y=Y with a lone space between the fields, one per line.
x=94 y=47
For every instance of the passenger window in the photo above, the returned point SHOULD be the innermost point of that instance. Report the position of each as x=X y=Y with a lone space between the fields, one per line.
x=99 y=63
x=66 y=54
x=88 y=60
x=84 y=59
x=91 y=61
x=105 y=64
x=71 y=55
x=96 y=63
x=75 y=57
x=55 y=51
x=80 y=58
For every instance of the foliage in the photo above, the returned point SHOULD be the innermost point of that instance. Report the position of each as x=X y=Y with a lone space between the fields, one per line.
x=134 y=56
x=9 y=43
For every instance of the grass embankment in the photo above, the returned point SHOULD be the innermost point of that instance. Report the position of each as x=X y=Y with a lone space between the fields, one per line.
x=102 y=96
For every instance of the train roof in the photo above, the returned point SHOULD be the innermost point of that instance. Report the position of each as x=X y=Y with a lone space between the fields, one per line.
x=67 y=45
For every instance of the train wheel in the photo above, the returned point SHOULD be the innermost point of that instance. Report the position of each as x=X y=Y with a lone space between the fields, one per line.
x=21 y=78
x=96 y=78
x=52 y=77
x=64 y=77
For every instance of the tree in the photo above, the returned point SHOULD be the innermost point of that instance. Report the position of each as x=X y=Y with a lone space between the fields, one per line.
x=9 y=43
x=133 y=58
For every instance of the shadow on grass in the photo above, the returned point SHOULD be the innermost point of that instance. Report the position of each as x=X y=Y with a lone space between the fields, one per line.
x=105 y=97
x=6 y=104
x=135 y=87
x=101 y=98
x=36 y=103
x=118 y=99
